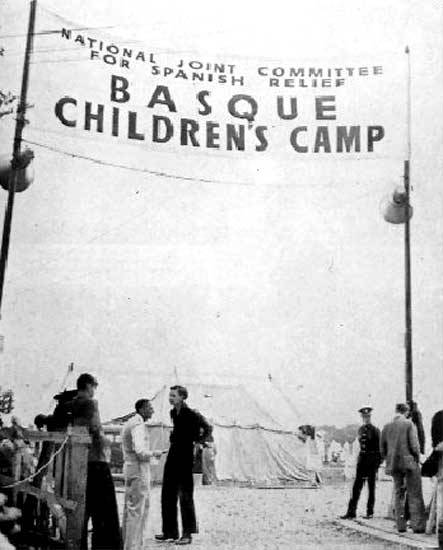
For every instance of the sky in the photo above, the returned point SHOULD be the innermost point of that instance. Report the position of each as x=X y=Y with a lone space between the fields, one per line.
x=274 y=267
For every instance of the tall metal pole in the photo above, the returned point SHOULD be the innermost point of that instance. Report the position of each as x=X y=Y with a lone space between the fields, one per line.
x=20 y=124
x=408 y=300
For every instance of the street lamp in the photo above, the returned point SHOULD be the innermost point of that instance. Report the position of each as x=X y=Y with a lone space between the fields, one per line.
x=15 y=175
x=398 y=210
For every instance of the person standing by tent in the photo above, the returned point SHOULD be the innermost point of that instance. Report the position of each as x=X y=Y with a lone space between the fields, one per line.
x=400 y=447
x=208 y=459
x=189 y=427
x=368 y=463
x=101 y=503
x=137 y=455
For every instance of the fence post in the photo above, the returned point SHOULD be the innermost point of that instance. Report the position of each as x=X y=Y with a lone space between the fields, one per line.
x=439 y=521
x=77 y=471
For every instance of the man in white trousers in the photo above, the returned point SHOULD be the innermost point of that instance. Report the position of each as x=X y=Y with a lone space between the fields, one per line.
x=137 y=455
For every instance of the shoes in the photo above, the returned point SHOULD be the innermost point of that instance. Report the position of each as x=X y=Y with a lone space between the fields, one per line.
x=348 y=516
x=401 y=530
x=368 y=516
x=419 y=531
x=165 y=538
x=185 y=539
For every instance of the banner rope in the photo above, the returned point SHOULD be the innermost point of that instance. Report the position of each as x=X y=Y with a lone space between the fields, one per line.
x=35 y=474
x=135 y=169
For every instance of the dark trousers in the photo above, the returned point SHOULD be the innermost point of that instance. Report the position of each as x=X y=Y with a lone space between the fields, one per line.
x=409 y=483
x=178 y=485
x=363 y=474
x=101 y=507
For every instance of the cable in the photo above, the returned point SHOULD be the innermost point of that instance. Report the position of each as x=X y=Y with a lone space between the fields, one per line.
x=3 y=36
x=35 y=474
x=132 y=218
x=134 y=169
x=167 y=175
x=84 y=53
x=54 y=31
x=95 y=140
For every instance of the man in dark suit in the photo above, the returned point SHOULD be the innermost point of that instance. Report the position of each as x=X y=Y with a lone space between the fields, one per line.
x=101 y=503
x=368 y=463
x=437 y=428
x=416 y=417
x=178 y=483
x=401 y=449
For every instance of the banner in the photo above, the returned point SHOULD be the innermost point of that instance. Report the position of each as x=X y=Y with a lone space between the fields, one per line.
x=85 y=85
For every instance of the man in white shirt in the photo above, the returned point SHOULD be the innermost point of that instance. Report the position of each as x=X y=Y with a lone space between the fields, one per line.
x=137 y=455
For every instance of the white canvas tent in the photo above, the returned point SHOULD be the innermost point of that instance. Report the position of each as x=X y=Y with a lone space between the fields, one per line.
x=255 y=433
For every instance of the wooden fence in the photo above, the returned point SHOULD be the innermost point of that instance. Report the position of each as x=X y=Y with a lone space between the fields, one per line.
x=53 y=500
x=439 y=505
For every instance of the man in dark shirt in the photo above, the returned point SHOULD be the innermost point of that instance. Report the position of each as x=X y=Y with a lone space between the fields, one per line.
x=189 y=427
x=416 y=417
x=437 y=428
x=101 y=503
x=368 y=462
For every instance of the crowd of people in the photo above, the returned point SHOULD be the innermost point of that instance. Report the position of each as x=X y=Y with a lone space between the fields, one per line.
x=16 y=456
x=401 y=444
x=191 y=434
x=190 y=430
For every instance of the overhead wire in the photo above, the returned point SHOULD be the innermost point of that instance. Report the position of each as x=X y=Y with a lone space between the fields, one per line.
x=80 y=49
x=156 y=173
x=126 y=222
x=134 y=145
x=69 y=278
x=141 y=214
x=53 y=31
x=94 y=160
x=60 y=17
x=121 y=39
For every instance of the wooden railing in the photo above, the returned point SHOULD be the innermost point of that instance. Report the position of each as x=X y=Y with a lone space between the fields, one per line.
x=439 y=511
x=52 y=500
x=435 y=519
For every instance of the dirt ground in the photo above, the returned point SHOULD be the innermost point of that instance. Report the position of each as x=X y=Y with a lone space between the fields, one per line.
x=284 y=519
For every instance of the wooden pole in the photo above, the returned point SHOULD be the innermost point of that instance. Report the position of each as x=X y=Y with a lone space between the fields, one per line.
x=77 y=472
x=20 y=124
x=439 y=504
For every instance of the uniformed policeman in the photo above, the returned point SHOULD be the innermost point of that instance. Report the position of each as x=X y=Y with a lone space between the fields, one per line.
x=368 y=462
